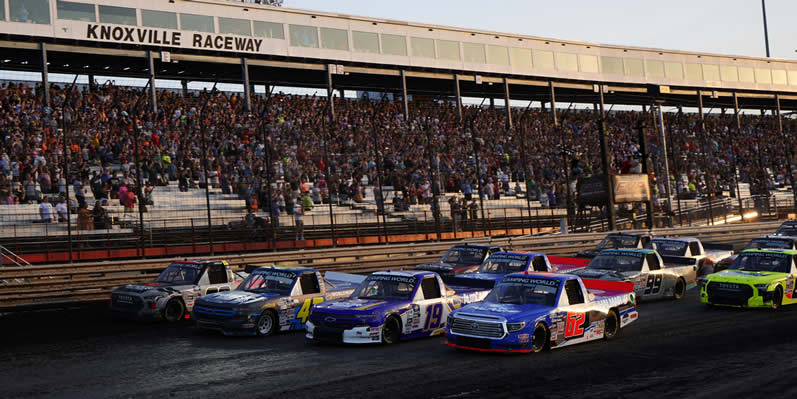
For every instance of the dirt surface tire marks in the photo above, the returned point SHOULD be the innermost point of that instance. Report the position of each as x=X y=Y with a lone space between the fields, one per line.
x=676 y=349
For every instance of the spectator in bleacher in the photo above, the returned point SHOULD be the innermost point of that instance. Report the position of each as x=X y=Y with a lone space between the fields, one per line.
x=84 y=220
x=100 y=217
x=61 y=210
x=45 y=210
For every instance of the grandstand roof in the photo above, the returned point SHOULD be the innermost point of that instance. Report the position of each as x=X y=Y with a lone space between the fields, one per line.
x=293 y=47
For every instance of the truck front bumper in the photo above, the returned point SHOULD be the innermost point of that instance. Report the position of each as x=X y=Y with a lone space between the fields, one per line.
x=354 y=335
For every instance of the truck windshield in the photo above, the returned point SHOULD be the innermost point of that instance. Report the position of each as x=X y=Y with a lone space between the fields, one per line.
x=386 y=286
x=524 y=291
x=618 y=241
x=669 y=247
x=464 y=256
x=272 y=281
x=771 y=243
x=180 y=273
x=787 y=230
x=618 y=262
x=504 y=264
x=763 y=262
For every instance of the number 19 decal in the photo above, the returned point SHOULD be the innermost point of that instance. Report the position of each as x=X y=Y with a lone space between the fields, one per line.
x=434 y=315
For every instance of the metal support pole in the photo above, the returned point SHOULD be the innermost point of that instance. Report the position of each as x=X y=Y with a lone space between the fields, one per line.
x=553 y=102
x=607 y=174
x=667 y=189
x=735 y=165
x=506 y=104
x=184 y=84
x=702 y=133
x=476 y=147
x=433 y=181
x=789 y=152
x=458 y=97
x=45 y=73
x=766 y=31
x=674 y=157
x=330 y=95
x=379 y=177
x=92 y=84
x=268 y=169
x=404 y=100
x=643 y=146
x=247 y=84
x=67 y=161
x=152 y=90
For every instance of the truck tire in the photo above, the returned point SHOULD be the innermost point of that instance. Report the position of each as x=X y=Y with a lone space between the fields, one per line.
x=611 y=326
x=539 y=339
x=266 y=323
x=777 y=298
x=391 y=330
x=679 y=291
x=174 y=311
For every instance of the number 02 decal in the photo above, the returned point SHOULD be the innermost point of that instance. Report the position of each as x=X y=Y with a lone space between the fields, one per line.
x=654 y=284
x=574 y=326
x=434 y=315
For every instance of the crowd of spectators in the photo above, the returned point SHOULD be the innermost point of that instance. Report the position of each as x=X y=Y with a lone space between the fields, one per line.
x=286 y=139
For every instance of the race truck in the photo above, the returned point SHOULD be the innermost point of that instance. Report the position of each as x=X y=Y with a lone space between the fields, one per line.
x=616 y=241
x=531 y=312
x=271 y=299
x=498 y=265
x=787 y=228
x=765 y=242
x=706 y=255
x=758 y=278
x=653 y=276
x=172 y=295
x=388 y=307
x=461 y=258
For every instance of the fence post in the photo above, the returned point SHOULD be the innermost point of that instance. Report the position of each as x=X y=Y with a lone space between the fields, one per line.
x=506 y=224
x=193 y=237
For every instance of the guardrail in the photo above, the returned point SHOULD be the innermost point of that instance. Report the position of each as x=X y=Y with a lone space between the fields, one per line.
x=57 y=285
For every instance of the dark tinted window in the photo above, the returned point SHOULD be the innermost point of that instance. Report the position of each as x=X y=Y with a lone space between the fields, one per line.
x=539 y=264
x=694 y=248
x=309 y=284
x=653 y=262
x=217 y=274
x=574 y=293
x=430 y=287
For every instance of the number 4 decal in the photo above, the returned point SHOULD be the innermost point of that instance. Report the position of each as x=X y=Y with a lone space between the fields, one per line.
x=574 y=326
x=304 y=311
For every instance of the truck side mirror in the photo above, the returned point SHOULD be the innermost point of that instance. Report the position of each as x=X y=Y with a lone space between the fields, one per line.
x=591 y=297
x=450 y=292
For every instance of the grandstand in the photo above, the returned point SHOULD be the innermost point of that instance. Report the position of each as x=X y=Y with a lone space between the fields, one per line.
x=424 y=150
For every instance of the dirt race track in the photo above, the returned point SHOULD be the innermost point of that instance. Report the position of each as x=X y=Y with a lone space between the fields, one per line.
x=676 y=349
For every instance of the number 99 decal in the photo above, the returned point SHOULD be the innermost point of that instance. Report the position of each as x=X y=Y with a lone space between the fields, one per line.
x=654 y=284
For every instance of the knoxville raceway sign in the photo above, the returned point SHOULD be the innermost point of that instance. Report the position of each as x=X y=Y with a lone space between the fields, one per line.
x=171 y=38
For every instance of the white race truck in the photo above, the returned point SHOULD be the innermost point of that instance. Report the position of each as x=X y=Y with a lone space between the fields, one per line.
x=706 y=255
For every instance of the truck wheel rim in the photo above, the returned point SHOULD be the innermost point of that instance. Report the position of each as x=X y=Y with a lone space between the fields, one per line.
x=611 y=325
x=264 y=326
x=538 y=340
x=172 y=311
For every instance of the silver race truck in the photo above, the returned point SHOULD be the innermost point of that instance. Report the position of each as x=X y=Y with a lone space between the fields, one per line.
x=653 y=276
x=706 y=255
x=617 y=241
x=271 y=299
x=171 y=296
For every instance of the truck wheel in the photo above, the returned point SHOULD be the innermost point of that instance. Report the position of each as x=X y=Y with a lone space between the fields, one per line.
x=679 y=290
x=174 y=311
x=611 y=327
x=391 y=330
x=777 y=298
x=539 y=340
x=266 y=324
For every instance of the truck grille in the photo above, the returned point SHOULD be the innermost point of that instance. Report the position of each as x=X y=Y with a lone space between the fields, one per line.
x=475 y=328
x=729 y=293
x=214 y=312
x=126 y=302
x=336 y=321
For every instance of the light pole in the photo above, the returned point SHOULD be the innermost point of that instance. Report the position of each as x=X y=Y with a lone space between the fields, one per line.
x=766 y=31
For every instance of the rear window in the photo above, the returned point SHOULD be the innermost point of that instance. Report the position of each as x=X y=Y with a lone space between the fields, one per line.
x=464 y=256
x=618 y=241
x=621 y=261
x=504 y=264
x=771 y=243
x=669 y=247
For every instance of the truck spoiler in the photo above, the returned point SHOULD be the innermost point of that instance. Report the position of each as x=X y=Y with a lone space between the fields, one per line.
x=453 y=281
x=607 y=288
x=675 y=261
x=717 y=247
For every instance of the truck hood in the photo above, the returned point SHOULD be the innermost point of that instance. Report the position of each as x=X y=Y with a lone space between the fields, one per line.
x=746 y=277
x=235 y=298
x=438 y=267
x=512 y=313
x=605 y=274
x=482 y=276
x=358 y=307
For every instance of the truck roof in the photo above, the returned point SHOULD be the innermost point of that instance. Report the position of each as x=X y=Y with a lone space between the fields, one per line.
x=296 y=269
x=550 y=276
x=628 y=250
x=683 y=239
x=407 y=273
x=529 y=254
x=483 y=246
x=772 y=251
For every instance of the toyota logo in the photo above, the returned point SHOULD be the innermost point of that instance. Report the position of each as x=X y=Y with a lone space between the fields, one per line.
x=330 y=319
x=474 y=326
